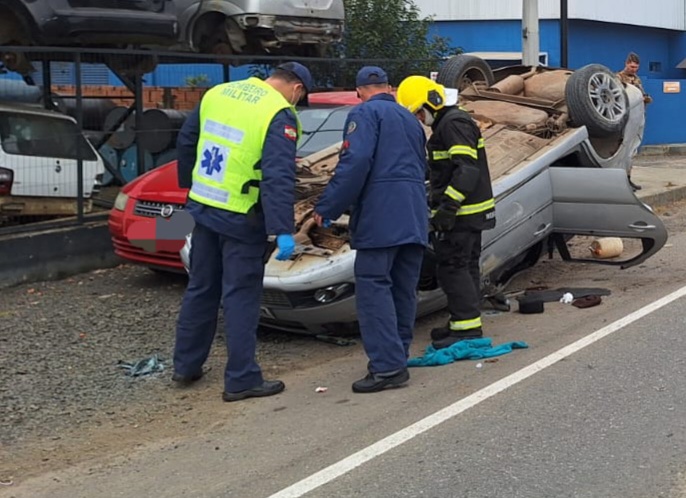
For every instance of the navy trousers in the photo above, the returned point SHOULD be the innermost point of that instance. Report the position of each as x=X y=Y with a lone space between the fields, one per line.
x=223 y=270
x=386 y=297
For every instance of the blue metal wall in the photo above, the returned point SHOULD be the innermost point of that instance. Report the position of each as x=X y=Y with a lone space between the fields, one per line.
x=597 y=42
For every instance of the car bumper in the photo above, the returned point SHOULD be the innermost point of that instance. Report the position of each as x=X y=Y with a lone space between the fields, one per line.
x=118 y=223
x=295 y=30
x=336 y=318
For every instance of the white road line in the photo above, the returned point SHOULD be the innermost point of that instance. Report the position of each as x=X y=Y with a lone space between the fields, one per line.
x=344 y=466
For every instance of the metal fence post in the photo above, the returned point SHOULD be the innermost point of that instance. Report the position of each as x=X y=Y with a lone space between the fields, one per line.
x=138 y=100
x=79 y=124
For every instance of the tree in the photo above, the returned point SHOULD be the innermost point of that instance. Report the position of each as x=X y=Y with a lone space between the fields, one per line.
x=388 y=33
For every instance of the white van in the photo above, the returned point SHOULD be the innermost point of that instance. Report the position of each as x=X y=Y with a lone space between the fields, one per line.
x=39 y=152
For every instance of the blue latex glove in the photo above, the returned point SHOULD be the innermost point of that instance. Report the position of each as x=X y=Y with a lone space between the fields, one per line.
x=286 y=244
x=326 y=223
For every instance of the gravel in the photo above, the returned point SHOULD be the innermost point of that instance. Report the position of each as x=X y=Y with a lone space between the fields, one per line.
x=61 y=342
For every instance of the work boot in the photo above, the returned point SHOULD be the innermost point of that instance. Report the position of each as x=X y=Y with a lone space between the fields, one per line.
x=375 y=382
x=439 y=333
x=267 y=388
x=186 y=380
x=456 y=336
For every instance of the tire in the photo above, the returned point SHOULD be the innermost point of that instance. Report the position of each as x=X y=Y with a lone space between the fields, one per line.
x=597 y=100
x=460 y=71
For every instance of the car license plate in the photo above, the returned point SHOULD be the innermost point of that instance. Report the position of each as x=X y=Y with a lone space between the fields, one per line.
x=266 y=312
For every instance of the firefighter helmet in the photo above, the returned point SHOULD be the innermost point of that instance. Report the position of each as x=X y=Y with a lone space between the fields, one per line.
x=415 y=92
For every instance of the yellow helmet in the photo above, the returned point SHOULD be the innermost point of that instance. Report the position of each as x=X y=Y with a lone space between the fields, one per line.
x=414 y=92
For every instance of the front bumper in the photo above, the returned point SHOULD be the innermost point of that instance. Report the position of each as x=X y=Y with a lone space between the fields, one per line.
x=118 y=223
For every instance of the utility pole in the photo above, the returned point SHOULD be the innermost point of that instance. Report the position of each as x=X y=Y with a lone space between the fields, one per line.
x=564 y=33
x=530 y=33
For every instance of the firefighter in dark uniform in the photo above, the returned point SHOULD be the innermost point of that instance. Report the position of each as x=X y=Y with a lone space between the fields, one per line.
x=461 y=201
x=237 y=156
x=380 y=176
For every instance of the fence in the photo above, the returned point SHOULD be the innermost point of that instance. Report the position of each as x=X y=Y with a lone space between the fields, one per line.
x=72 y=130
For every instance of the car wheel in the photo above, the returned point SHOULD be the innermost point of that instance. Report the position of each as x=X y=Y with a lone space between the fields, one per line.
x=597 y=99
x=462 y=71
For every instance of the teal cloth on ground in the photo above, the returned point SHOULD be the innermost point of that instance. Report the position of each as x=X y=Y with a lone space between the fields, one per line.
x=469 y=349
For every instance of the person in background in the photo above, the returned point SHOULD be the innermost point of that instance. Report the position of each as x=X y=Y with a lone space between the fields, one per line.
x=461 y=201
x=629 y=76
x=381 y=173
x=237 y=155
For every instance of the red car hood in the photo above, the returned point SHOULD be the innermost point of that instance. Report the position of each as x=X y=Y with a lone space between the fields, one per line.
x=158 y=185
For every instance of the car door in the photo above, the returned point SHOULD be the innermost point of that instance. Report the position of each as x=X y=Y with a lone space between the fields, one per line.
x=600 y=203
x=524 y=216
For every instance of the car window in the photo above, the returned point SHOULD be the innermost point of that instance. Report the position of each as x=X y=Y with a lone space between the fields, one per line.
x=42 y=136
x=322 y=127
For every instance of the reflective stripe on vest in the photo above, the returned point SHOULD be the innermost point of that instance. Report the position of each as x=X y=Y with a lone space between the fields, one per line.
x=234 y=120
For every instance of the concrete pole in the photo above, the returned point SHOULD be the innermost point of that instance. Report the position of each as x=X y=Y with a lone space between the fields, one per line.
x=530 y=33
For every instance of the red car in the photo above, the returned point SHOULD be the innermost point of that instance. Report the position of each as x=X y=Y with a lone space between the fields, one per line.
x=156 y=193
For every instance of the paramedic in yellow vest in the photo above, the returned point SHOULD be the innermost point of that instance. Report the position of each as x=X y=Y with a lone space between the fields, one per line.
x=236 y=153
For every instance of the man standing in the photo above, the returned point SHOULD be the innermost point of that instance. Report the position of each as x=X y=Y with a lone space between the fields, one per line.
x=629 y=76
x=380 y=174
x=237 y=156
x=461 y=201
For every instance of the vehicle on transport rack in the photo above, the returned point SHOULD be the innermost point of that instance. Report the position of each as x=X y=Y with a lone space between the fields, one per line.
x=559 y=144
x=86 y=24
x=303 y=28
x=39 y=153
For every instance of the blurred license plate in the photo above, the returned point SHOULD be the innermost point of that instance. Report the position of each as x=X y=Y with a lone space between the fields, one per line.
x=266 y=312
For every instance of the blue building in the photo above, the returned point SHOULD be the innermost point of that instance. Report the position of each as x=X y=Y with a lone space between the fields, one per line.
x=599 y=31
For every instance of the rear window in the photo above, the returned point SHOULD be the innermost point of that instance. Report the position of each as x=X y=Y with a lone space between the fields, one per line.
x=321 y=128
x=42 y=136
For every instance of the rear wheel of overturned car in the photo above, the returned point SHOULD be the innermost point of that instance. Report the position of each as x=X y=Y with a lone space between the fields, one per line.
x=597 y=99
x=461 y=71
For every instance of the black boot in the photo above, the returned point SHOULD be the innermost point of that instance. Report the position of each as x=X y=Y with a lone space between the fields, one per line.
x=457 y=336
x=375 y=382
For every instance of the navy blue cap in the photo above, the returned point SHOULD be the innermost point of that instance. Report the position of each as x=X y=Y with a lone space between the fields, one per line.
x=371 y=75
x=302 y=73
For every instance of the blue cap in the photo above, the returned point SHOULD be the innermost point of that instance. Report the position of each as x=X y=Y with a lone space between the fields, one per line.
x=302 y=73
x=371 y=75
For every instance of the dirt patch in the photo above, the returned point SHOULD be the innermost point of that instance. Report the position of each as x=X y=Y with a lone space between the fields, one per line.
x=66 y=400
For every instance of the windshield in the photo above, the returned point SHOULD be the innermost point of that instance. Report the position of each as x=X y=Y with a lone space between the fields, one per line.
x=42 y=136
x=322 y=127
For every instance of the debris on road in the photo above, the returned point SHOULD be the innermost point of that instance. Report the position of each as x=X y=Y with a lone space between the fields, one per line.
x=567 y=298
x=607 y=247
x=469 y=349
x=587 y=301
x=146 y=366
x=321 y=389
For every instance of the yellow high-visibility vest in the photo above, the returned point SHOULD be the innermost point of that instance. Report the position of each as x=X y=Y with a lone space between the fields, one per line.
x=234 y=120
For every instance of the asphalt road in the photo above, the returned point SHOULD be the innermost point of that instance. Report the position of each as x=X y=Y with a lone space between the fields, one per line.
x=605 y=419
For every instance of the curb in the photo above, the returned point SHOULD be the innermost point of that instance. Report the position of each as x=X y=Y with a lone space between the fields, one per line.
x=32 y=257
x=663 y=150
x=664 y=198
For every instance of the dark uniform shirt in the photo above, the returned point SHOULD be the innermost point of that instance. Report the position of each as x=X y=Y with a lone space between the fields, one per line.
x=459 y=174
x=273 y=214
x=380 y=177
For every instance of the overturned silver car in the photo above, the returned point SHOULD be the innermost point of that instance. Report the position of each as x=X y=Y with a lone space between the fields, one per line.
x=559 y=145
